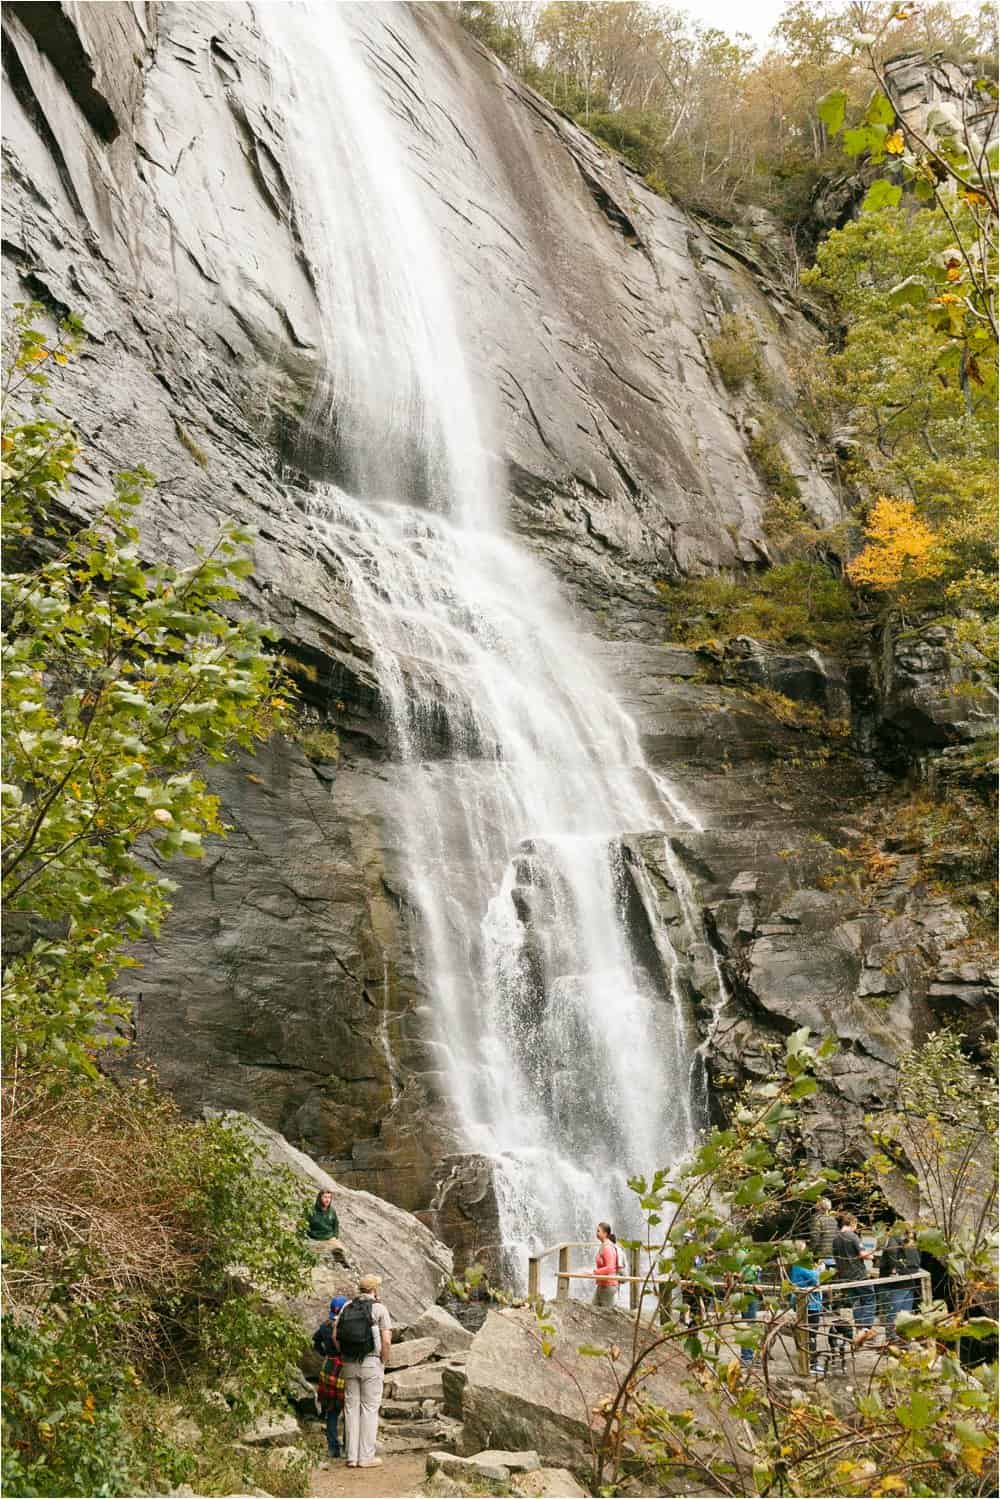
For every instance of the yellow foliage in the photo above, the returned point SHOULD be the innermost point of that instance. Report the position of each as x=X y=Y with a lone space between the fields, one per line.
x=895 y=143
x=901 y=547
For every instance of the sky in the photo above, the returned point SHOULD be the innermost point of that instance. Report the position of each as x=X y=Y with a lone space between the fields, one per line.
x=756 y=17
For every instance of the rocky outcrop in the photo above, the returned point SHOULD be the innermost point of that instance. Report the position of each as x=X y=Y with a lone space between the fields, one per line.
x=148 y=189
x=465 y=1212
x=935 y=694
x=378 y=1238
x=515 y=1395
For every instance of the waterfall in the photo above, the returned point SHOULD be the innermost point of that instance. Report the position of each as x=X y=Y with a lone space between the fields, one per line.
x=567 y=1060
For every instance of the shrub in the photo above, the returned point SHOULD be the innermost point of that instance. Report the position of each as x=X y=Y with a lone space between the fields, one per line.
x=319 y=744
x=735 y=352
x=799 y=603
x=142 y=1250
x=719 y=1242
x=768 y=458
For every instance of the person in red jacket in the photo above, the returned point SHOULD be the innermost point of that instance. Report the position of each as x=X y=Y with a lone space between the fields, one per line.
x=606 y=1267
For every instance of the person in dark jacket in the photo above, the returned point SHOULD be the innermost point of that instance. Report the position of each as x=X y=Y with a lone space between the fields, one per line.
x=330 y=1388
x=822 y=1231
x=900 y=1256
x=851 y=1258
x=323 y=1222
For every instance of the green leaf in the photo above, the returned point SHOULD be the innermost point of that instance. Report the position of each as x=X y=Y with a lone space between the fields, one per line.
x=881 y=194
x=803 y=1087
x=918 y=1414
x=909 y=293
x=831 y=108
x=879 y=111
x=979 y=1327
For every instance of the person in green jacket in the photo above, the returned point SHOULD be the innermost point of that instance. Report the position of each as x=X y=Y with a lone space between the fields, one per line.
x=323 y=1222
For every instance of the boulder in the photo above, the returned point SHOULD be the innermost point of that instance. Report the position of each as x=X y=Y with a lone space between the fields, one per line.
x=515 y=1462
x=415 y=1351
x=435 y=1322
x=271 y=1430
x=548 y=1483
x=377 y=1237
x=514 y=1394
x=453 y=1384
x=300 y=1392
x=420 y=1383
x=467 y=1213
x=285 y=1457
x=490 y=1478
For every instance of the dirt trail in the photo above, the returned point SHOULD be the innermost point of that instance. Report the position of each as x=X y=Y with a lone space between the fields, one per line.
x=399 y=1477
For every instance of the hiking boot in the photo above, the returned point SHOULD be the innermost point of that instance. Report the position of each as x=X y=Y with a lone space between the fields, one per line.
x=373 y=1462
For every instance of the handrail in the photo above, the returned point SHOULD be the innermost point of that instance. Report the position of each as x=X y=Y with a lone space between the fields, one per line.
x=801 y=1293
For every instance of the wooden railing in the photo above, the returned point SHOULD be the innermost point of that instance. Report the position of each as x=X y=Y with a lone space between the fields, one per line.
x=801 y=1294
x=564 y=1274
x=832 y=1288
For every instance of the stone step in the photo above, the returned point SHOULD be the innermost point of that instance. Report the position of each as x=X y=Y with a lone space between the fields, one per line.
x=413 y=1351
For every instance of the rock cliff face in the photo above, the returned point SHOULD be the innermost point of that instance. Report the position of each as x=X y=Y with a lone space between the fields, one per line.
x=148 y=190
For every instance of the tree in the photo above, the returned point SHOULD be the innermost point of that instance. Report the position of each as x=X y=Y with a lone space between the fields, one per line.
x=900 y=548
x=941 y=1140
x=947 y=153
x=122 y=678
x=918 y=399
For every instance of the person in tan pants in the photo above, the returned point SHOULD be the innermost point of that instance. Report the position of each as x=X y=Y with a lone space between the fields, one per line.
x=363 y=1333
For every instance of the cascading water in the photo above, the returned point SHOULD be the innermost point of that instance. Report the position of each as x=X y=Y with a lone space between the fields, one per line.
x=568 y=1060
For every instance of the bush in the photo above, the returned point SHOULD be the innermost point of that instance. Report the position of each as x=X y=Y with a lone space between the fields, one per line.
x=723 y=1229
x=798 y=603
x=735 y=352
x=318 y=744
x=142 y=1251
x=64 y=1429
x=768 y=458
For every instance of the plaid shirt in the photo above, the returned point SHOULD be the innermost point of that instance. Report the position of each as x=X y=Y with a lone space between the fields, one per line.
x=330 y=1385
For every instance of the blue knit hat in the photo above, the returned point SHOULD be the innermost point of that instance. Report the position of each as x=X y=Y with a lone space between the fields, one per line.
x=337 y=1304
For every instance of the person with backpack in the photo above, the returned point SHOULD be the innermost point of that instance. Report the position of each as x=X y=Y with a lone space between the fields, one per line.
x=606 y=1267
x=363 y=1334
x=330 y=1385
x=823 y=1231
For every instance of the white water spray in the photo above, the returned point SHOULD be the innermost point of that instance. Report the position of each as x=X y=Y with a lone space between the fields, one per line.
x=568 y=1060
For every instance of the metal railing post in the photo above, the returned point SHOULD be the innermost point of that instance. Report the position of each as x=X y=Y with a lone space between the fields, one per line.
x=633 y=1288
x=562 y=1286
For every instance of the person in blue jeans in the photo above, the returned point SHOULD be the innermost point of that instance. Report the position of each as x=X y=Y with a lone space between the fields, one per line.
x=749 y=1275
x=899 y=1257
x=330 y=1387
x=851 y=1259
x=803 y=1276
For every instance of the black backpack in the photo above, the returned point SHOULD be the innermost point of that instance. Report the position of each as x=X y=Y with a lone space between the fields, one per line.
x=355 y=1332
